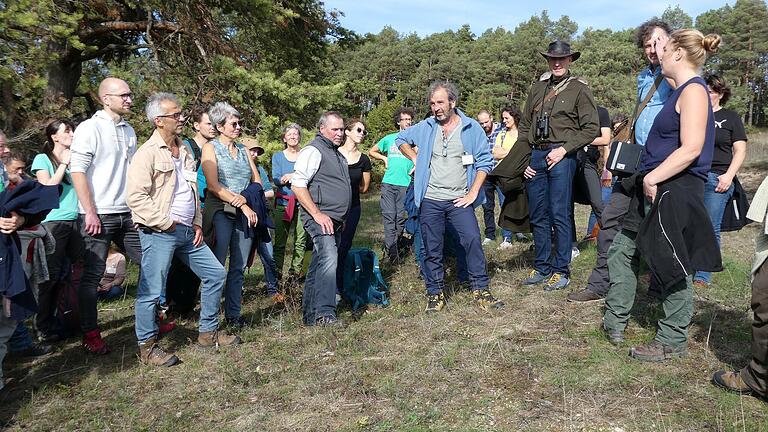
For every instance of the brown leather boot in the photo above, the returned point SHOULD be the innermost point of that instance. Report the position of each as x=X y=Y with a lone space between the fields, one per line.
x=731 y=381
x=150 y=353
x=215 y=339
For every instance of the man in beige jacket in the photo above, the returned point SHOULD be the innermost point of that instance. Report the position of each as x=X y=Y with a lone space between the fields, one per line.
x=162 y=196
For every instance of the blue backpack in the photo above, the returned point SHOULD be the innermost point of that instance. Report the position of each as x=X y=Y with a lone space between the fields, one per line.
x=363 y=283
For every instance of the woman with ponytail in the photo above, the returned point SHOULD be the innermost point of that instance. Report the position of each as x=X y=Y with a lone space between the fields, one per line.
x=667 y=223
x=51 y=167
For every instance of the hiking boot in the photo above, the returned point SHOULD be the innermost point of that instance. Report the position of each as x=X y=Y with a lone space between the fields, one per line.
x=93 y=343
x=584 y=296
x=35 y=350
x=435 y=303
x=615 y=337
x=556 y=282
x=535 y=278
x=656 y=352
x=215 y=339
x=151 y=354
x=506 y=244
x=731 y=381
x=486 y=300
x=327 y=321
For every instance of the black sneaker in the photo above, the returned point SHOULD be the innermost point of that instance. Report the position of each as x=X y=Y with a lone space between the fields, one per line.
x=36 y=350
x=435 y=303
x=327 y=321
x=486 y=300
x=236 y=323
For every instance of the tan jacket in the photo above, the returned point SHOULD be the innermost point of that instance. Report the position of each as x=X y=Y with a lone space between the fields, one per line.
x=152 y=181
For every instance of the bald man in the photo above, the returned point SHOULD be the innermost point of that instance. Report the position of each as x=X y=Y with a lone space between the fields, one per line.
x=101 y=151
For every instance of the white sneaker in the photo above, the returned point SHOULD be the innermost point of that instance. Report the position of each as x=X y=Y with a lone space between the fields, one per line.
x=505 y=245
x=574 y=253
x=487 y=241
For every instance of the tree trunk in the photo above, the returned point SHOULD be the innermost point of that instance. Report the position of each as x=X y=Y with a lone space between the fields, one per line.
x=63 y=77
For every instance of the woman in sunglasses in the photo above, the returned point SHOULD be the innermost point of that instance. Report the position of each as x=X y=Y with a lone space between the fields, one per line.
x=228 y=170
x=360 y=178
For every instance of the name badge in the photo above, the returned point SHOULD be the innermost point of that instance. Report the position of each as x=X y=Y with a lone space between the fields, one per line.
x=190 y=176
x=467 y=159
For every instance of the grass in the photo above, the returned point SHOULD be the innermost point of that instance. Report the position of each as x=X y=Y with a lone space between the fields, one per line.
x=541 y=364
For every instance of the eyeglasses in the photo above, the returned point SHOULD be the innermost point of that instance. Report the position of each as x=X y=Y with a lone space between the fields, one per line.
x=123 y=96
x=402 y=119
x=176 y=116
x=362 y=131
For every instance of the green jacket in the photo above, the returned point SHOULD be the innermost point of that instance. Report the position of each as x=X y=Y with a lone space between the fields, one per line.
x=572 y=113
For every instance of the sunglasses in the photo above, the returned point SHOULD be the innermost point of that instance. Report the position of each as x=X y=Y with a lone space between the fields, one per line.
x=362 y=131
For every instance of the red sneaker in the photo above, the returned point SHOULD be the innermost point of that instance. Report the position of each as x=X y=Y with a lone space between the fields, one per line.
x=93 y=343
x=166 y=327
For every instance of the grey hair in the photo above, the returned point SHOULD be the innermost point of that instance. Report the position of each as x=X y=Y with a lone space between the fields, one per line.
x=449 y=87
x=153 y=105
x=292 y=126
x=325 y=116
x=219 y=112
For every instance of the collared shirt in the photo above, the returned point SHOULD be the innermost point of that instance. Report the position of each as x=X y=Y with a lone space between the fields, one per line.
x=492 y=136
x=102 y=149
x=152 y=179
x=645 y=120
x=306 y=166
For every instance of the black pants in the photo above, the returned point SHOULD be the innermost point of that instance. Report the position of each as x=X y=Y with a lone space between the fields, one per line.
x=587 y=181
x=610 y=224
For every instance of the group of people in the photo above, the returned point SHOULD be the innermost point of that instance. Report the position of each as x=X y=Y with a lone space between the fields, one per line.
x=202 y=205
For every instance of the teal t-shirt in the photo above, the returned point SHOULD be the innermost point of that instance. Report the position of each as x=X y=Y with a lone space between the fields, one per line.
x=398 y=166
x=67 y=210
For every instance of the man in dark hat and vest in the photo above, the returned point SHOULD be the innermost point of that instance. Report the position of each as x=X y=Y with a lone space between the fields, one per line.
x=560 y=116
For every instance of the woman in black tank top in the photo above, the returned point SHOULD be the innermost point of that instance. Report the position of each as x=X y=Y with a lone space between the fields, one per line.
x=669 y=169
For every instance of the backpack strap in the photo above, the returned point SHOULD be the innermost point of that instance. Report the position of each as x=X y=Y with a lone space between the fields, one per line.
x=641 y=106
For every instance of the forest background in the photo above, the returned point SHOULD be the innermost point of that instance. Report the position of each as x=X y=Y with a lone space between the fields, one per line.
x=287 y=61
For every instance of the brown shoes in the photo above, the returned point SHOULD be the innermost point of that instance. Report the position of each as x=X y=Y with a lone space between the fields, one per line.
x=731 y=381
x=656 y=352
x=151 y=354
x=215 y=339
x=584 y=296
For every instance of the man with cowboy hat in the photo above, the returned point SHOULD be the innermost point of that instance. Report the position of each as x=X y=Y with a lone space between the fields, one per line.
x=560 y=116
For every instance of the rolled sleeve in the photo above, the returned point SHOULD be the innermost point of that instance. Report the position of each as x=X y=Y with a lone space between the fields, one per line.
x=306 y=166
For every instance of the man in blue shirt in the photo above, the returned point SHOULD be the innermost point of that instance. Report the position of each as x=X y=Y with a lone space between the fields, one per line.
x=450 y=168
x=613 y=213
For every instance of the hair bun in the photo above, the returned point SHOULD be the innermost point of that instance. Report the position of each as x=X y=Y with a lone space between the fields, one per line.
x=711 y=42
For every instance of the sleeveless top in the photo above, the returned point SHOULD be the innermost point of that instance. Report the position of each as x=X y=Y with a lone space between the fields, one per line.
x=664 y=137
x=234 y=173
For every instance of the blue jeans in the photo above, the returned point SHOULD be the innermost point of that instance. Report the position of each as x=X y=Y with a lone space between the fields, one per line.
x=433 y=217
x=20 y=339
x=230 y=239
x=452 y=248
x=715 y=202
x=158 y=248
x=320 y=285
x=549 y=203
x=265 y=251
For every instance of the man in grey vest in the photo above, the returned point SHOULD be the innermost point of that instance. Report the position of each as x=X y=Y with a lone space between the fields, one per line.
x=321 y=184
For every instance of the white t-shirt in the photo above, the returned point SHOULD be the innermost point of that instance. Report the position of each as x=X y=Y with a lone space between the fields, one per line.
x=183 y=201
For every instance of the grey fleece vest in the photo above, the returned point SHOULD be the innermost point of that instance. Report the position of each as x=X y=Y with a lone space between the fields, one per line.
x=330 y=187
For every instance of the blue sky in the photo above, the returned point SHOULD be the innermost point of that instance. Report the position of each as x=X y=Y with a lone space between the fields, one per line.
x=425 y=17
